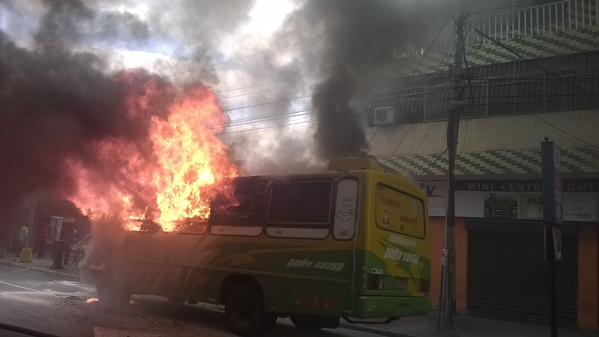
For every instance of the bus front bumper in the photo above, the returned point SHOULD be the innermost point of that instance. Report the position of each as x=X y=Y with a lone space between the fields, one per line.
x=391 y=306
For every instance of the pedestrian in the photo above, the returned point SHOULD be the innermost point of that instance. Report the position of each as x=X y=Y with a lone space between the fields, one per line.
x=21 y=240
x=68 y=242
x=42 y=241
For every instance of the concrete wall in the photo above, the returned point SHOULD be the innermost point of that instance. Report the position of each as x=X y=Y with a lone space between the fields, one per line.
x=588 y=277
x=493 y=133
x=437 y=225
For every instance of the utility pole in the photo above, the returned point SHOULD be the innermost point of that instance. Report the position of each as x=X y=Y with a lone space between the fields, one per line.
x=553 y=219
x=447 y=293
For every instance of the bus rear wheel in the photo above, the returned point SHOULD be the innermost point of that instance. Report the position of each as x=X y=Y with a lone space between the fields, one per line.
x=244 y=309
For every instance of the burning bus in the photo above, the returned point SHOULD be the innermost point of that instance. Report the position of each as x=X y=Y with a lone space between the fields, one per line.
x=352 y=242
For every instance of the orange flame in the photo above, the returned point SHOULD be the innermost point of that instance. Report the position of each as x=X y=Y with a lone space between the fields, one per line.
x=177 y=169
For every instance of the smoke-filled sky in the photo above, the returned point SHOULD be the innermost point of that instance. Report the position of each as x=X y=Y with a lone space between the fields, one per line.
x=287 y=73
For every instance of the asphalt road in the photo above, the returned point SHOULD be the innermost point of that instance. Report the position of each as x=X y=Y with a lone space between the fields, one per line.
x=50 y=304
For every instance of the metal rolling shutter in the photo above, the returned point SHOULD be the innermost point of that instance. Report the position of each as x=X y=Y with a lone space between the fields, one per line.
x=508 y=276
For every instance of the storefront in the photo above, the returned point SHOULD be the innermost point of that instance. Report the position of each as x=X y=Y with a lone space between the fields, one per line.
x=501 y=271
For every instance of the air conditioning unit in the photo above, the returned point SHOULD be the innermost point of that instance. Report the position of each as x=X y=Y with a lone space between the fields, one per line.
x=383 y=116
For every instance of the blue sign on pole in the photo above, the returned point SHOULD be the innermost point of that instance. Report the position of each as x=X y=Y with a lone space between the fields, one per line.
x=552 y=183
x=552 y=216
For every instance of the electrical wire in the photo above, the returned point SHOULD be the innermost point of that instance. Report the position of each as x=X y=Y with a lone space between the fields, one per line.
x=564 y=132
x=436 y=159
x=255 y=93
x=425 y=137
x=268 y=128
x=250 y=121
x=471 y=93
x=284 y=100
x=534 y=64
x=430 y=46
x=517 y=54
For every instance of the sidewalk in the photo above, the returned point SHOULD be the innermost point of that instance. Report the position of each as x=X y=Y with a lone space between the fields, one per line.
x=465 y=326
x=43 y=265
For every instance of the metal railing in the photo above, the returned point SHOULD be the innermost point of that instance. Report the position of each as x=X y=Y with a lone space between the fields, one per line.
x=553 y=17
x=506 y=95
x=517 y=23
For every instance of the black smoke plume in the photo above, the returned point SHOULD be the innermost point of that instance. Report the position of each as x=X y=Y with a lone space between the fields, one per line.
x=358 y=39
x=58 y=104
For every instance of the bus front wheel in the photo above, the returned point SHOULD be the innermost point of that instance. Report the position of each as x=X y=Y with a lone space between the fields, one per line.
x=244 y=309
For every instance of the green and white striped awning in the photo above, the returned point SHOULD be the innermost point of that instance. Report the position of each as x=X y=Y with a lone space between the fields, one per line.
x=575 y=161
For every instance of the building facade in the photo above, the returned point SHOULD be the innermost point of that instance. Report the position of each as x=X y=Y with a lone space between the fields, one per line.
x=531 y=73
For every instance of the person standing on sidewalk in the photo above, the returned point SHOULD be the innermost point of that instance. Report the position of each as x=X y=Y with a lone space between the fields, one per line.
x=21 y=240
x=68 y=242
x=42 y=241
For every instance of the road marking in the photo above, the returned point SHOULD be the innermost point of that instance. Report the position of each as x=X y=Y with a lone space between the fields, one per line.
x=18 y=286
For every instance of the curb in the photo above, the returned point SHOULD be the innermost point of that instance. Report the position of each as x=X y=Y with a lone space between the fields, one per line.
x=43 y=270
x=372 y=330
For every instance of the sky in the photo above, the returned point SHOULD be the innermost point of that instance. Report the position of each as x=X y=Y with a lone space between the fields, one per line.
x=266 y=59
x=232 y=48
x=252 y=36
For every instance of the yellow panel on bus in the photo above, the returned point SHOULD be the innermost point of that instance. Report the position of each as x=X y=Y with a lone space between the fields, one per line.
x=399 y=212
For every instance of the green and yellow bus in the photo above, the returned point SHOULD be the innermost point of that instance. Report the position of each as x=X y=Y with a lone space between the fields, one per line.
x=352 y=242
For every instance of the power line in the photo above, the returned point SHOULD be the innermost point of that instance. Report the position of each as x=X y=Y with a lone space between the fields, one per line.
x=269 y=127
x=564 y=132
x=516 y=53
x=288 y=99
x=439 y=155
x=252 y=93
x=431 y=45
x=251 y=121
x=546 y=71
x=249 y=86
x=425 y=137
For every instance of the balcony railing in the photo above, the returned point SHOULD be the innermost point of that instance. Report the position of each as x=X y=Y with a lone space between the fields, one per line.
x=500 y=96
x=531 y=21
x=518 y=23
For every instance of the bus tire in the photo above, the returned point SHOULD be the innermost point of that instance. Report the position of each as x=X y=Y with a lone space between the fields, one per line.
x=244 y=310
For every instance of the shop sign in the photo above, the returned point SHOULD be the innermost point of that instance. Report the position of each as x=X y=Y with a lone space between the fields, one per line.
x=436 y=192
x=530 y=206
x=580 y=207
x=501 y=206
x=568 y=185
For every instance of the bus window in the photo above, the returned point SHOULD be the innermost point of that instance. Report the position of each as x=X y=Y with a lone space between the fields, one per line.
x=345 y=209
x=300 y=209
x=399 y=212
x=245 y=216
